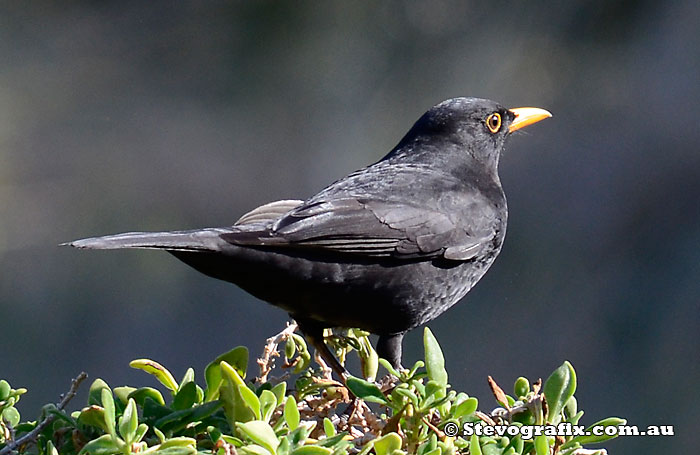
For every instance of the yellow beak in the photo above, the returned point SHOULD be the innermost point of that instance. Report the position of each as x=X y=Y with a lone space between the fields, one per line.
x=525 y=116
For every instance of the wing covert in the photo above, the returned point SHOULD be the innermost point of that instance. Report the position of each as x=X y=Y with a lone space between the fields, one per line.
x=369 y=228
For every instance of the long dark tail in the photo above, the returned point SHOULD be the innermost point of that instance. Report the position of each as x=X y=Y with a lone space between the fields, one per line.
x=195 y=240
x=203 y=249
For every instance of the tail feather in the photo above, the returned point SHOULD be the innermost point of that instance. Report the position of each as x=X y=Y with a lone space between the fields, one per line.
x=194 y=240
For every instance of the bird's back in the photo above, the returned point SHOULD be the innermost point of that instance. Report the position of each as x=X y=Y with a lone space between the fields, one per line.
x=375 y=242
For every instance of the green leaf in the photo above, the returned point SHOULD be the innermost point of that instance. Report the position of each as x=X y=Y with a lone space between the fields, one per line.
x=156 y=369
x=300 y=341
x=51 y=449
x=268 y=403
x=420 y=388
x=291 y=413
x=304 y=362
x=593 y=439
x=4 y=389
x=571 y=407
x=387 y=366
x=435 y=390
x=290 y=348
x=261 y=433
x=139 y=395
x=175 y=421
x=237 y=358
x=159 y=435
x=214 y=433
x=328 y=427
x=187 y=378
x=234 y=441
x=250 y=399
x=128 y=422
x=408 y=394
x=186 y=396
x=300 y=434
x=521 y=387
x=176 y=451
x=231 y=373
x=333 y=440
x=312 y=450
x=517 y=444
x=234 y=406
x=104 y=445
x=153 y=411
x=285 y=447
x=366 y=390
x=387 y=444
x=466 y=407
x=368 y=359
x=474 y=446
x=179 y=441
x=11 y=416
x=280 y=390
x=369 y=445
x=95 y=393
x=141 y=431
x=541 y=445
x=110 y=413
x=434 y=360
x=93 y=416
x=524 y=417
x=122 y=394
x=574 y=420
x=413 y=372
x=253 y=449
x=559 y=387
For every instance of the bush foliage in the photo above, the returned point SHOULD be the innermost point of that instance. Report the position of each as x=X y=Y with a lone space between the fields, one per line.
x=302 y=412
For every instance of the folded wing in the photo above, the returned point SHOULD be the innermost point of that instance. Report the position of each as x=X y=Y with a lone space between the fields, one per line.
x=358 y=226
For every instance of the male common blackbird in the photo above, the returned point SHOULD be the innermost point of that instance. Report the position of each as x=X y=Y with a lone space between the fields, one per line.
x=385 y=249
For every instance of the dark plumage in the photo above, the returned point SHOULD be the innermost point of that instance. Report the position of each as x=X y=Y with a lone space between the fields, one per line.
x=385 y=249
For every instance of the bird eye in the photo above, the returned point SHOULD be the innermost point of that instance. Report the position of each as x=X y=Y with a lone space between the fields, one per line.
x=493 y=122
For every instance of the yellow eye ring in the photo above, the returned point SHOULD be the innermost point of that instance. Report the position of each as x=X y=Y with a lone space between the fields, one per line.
x=493 y=122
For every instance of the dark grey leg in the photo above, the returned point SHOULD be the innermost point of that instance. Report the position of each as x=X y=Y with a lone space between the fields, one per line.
x=314 y=334
x=389 y=348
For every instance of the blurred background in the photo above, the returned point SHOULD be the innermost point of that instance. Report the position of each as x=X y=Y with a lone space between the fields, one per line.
x=118 y=116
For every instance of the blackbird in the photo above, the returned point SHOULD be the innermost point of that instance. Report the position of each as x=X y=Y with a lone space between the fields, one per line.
x=385 y=249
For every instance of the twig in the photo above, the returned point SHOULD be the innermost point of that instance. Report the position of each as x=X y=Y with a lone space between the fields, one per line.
x=266 y=362
x=440 y=434
x=531 y=405
x=325 y=369
x=485 y=417
x=32 y=435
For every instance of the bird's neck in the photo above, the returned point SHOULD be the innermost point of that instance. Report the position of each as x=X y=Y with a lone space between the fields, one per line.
x=462 y=165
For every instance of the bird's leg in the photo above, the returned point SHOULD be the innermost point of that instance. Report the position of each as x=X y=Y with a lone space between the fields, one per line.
x=389 y=348
x=314 y=333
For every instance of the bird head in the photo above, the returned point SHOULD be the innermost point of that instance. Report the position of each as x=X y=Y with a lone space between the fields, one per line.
x=465 y=129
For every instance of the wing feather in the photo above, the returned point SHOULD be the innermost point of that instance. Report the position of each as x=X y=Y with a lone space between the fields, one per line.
x=268 y=212
x=359 y=226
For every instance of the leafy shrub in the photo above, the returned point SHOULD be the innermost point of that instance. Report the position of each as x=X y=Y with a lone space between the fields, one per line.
x=303 y=412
